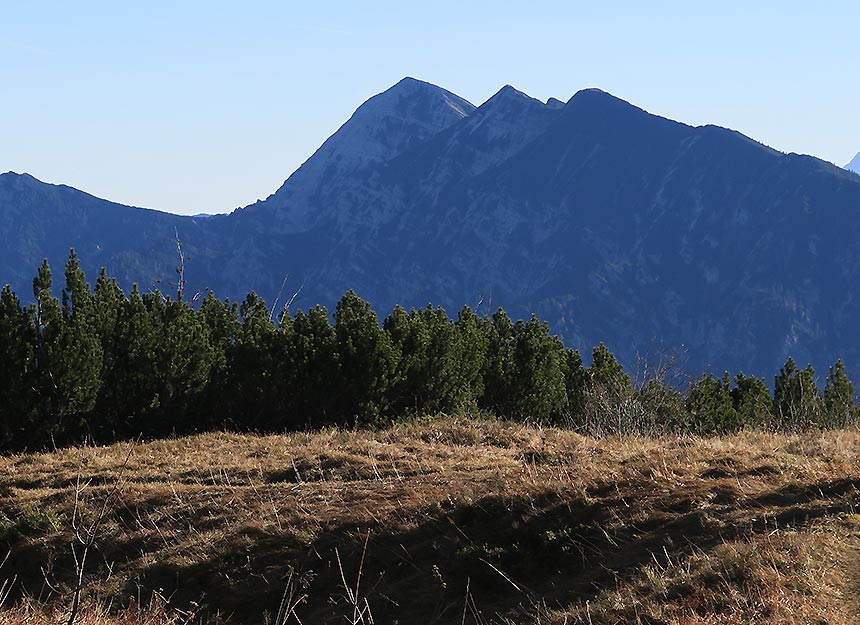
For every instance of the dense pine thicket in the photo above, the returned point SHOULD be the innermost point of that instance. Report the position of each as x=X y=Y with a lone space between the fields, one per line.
x=103 y=363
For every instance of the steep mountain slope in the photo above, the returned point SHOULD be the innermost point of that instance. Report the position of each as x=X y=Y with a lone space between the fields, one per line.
x=854 y=165
x=386 y=125
x=613 y=224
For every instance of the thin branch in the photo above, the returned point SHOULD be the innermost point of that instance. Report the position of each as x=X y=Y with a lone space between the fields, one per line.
x=291 y=300
x=87 y=535
x=278 y=297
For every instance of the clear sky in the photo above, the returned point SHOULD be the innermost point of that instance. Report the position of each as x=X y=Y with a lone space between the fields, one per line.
x=190 y=106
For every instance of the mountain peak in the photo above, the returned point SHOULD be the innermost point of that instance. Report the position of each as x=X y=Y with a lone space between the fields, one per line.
x=408 y=82
x=413 y=93
x=509 y=90
x=14 y=178
x=510 y=99
x=15 y=175
x=398 y=118
x=401 y=117
x=598 y=96
x=508 y=94
x=596 y=102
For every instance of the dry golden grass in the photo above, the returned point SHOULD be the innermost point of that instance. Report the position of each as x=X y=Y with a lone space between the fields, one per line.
x=30 y=612
x=447 y=522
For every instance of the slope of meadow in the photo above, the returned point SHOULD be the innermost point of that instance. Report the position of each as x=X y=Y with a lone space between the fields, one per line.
x=450 y=521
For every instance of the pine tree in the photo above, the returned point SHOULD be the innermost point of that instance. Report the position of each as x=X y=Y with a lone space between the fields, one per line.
x=473 y=340
x=501 y=368
x=839 y=399
x=17 y=420
x=42 y=297
x=607 y=372
x=131 y=391
x=797 y=401
x=252 y=365
x=752 y=401
x=539 y=383
x=366 y=362
x=447 y=390
x=82 y=354
x=221 y=319
x=107 y=303
x=313 y=352
x=183 y=357
x=409 y=342
x=68 y=354
x=77 y=297
x=284 y=375
x=575 y=383
x=426 y=379
x=611 y=405
x=711 y=407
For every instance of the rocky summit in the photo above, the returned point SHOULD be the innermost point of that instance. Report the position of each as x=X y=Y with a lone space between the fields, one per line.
x=611 y=223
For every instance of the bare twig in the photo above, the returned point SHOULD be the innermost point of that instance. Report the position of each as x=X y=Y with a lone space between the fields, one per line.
x=6 y=586
x=180 y=287
x=86 y=535
x=292 y=598
x=290 y=302
x=360 y=613
x=500 y=572
x=278 y=297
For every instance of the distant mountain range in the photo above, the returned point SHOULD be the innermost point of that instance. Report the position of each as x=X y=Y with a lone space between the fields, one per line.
x=611 y=223
x=854 y=165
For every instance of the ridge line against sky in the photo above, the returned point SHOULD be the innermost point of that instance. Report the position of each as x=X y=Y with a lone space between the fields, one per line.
x=205 y=107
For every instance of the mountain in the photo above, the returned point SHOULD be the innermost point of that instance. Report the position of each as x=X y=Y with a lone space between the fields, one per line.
x=854 y=165
x=386 y=125
x=611 y=223
x=39 y=220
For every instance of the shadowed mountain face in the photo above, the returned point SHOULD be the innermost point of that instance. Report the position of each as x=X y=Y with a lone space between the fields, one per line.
x=612 y=224
x=39 y=220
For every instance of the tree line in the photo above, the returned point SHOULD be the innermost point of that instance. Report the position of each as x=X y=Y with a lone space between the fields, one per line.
x=98 y=362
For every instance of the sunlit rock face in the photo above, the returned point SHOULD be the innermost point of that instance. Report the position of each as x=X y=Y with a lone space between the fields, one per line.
x=404 y=116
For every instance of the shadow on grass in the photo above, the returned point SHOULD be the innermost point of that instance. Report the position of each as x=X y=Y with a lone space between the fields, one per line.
x=553 y=548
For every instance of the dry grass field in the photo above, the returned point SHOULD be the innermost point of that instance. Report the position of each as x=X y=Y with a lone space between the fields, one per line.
x=451 y=521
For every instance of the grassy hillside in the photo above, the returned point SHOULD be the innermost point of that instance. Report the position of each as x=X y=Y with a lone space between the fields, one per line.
x=453 y=521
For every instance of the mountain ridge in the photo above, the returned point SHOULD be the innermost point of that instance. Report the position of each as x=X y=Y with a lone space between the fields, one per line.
x=612 y=223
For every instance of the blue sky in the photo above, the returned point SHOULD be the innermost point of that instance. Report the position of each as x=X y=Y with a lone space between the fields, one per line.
x=207 y=106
